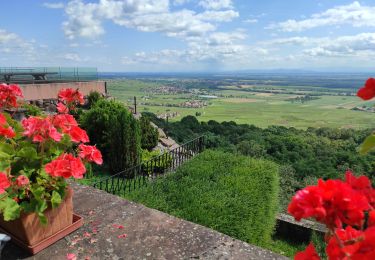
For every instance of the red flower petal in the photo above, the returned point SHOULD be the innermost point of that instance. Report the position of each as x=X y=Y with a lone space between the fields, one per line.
x=309 y=254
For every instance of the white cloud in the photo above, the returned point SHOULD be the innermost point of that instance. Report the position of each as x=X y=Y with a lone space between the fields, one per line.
x=218 y=16
x=178 y=24
x=216 y=4
x=217 y=47
x=251 y=21
x=291 y=40
x=58 y=5
x=86 y=19
x=82 y=20
x=180 y=2
x=353 y=14
x=7 y=36
x=358 y=45
x=72 y=57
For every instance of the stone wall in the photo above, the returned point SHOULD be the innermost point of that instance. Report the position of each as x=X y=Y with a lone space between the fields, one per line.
x=50 y=90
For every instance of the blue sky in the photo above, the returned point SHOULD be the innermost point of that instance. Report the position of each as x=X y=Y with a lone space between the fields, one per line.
x=189 y=35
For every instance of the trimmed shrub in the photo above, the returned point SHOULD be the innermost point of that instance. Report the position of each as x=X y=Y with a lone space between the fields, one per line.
x=115 y=132
x=233 y=194
x=149 y=134
x=93 y=97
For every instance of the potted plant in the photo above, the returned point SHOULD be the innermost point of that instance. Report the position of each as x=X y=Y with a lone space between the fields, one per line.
x=37 y=156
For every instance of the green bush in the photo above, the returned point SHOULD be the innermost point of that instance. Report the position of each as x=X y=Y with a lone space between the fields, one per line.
x=93 y=97
x=233 y=194
x=115 y=132
x=149 y=134
x=157 y=165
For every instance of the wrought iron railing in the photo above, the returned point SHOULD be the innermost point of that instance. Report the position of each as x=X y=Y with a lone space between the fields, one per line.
x=138 y=176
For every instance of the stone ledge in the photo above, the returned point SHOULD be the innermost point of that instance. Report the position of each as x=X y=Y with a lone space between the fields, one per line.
x=150 y=234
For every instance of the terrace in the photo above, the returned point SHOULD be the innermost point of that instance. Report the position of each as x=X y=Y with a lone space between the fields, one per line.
x=43 y=83
x=146 y=234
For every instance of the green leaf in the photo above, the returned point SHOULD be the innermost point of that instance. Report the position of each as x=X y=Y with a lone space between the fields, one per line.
x=6 y=148
x=56 y=199
x=11 y=210
x=368 y=144
x=37 y=192
x=41 y=206
x=42 y=219
x=4 y=156
x=4 y=164
x=28 y=152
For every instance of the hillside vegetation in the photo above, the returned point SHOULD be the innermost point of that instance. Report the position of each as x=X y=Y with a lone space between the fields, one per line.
x=303 y=155
x=235 y=195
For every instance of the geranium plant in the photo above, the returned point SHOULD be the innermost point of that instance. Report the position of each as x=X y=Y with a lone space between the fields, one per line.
x=346 y=207
x=38 y=154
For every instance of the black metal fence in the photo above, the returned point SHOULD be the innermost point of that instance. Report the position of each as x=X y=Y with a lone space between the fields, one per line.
x=138 y=176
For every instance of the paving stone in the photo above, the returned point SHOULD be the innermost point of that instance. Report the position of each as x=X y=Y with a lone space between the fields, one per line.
x=115 y=228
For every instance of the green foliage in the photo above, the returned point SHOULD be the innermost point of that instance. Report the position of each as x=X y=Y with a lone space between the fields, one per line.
x=232 y=194
x=147 y=155
x=319 y=243
x=32 y=110
x=93 y=97
x=149 y=134
x=305 y=155
x=9 y=208
x=115 y=132
x=157 y=165
x=368 y=144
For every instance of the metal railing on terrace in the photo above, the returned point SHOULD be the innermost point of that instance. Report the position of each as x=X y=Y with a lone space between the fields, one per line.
x=138 y=176
x=47 y=74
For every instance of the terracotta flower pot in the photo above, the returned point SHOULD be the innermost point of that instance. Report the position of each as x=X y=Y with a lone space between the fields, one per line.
x=30 y=231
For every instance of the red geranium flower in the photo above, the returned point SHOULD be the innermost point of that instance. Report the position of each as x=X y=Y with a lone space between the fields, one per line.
x=4 y=182
x=9 y=94
x=22 y=180
x=66 y=165
x=6 y=130
x=90 y=153
x=61 y=108
x=353 y=244
x=368 y=91
x=331 y=202
x=347 y=237
x=65 y=122
x=71 y=96
x=309 y=254
x=40 y=129
x=371 y=218
x=78 y=135
x=308 y=202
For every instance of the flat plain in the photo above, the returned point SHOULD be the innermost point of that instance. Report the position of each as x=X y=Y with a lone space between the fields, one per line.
x=260 y=105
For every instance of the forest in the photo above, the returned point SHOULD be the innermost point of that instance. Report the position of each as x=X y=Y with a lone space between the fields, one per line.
x=303 y=155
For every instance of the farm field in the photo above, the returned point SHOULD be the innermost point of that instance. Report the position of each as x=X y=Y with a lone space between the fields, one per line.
x=262 y=106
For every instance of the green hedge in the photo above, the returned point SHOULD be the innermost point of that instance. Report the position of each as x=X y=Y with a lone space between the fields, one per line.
x=116 y=133
x=233 y=194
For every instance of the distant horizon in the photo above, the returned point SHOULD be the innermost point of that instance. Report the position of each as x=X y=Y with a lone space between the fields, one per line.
x=281 y=71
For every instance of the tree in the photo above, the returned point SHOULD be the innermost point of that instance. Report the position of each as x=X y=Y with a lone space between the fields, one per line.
x=115 y=132
x=149 y=134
